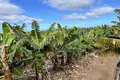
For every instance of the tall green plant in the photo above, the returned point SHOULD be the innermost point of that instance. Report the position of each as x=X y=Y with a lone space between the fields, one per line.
x=5 y=40
x=35 y=42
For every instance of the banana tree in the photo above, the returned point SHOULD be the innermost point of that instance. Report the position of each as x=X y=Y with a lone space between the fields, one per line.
x=5 y=40
x=60 y=44
x=110 y=43
x=11 y=46
x=35 y=42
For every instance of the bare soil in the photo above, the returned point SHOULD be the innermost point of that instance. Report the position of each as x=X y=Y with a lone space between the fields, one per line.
x=89 y=68
x=85 y=68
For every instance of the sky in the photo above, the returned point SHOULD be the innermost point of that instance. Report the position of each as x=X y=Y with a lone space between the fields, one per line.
x=80 y=13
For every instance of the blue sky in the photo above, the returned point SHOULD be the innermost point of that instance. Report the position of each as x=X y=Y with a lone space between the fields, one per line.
x=80 y=13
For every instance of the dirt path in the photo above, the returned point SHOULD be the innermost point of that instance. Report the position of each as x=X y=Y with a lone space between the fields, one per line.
x=104 y=69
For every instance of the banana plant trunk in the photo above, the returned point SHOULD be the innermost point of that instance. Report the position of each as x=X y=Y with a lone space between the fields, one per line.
x=62 y=61
x=56 y=62
x=5 y=69
x=36 y=72
x=69 y=58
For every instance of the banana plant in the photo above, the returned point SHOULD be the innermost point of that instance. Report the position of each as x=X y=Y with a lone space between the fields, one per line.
x=62 y=40
x=117 y=23
x=35 y=42
x=110 y=43
x=5 y=41
x=12 y=46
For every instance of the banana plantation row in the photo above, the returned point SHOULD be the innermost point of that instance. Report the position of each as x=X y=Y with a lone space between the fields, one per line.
x=19 y=48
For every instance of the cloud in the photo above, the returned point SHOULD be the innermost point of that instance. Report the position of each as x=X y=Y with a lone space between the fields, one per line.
x=93 y=13
x=97 y=12
x=6 y=8
x=74 y=16
x=19 y=18
x=69 y=4
x=12 y=13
